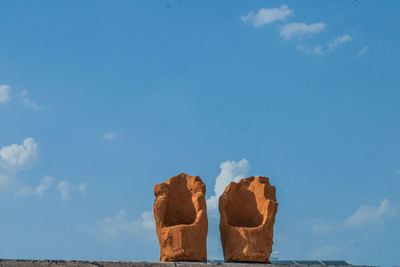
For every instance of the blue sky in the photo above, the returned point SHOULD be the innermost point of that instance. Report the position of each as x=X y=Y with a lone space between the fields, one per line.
x=101 y=100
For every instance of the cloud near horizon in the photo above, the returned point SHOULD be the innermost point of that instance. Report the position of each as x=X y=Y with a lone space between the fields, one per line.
x=368 y=214
x=364 y=215
x=119 y=225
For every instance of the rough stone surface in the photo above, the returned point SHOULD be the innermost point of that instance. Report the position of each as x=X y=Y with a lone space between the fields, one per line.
x=247 y=215
x=181 y=218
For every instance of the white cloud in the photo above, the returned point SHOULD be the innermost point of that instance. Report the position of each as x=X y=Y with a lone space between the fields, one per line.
x=301 y=47
x=339 y=41
x=66 y=188
x=21 y=156
x=364 y=215
x=231 y=171
x=318 y=49
x=119 y=225
x=82 y=187
x=14 y=158
x=148 y=221
x=363 y=50
x=321 y=50
x=17 y=157
x=322 y=228
x=6 y=180
x=4 y=93
x=370 y=214
x=29 y=103
x=299 y=29
x=110 y=135
x=267 y=15
x=45 y=184
x=326 y=252
x=5 y=96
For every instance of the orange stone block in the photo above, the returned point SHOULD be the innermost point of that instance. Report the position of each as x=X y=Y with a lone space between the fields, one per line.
x=247 y=215
x=181 y=218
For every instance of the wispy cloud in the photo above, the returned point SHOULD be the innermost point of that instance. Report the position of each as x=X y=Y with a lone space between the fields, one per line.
x=17 y=157
x=109 y=135
x=231 y=171
x=45 y=184
x=300 y=29
x=339 y=41
x=267 y=15
x=318 y=49
x=6 y=181
x=119 y=225
x=28 y=102
x=370 y=214
x=296 y=30
x=363 y=50
x=364 y=215
x=66 y=189
x=82 y=187
x=321 y=50
x=347 y=231
x=322 y=228
x=4 y=93
x=22 y=97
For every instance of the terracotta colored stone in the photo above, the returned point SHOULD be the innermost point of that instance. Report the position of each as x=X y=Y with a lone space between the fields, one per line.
x=247 y=215
x=181 y=218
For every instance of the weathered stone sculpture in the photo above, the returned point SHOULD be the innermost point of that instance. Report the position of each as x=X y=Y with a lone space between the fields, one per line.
x=181 y=218
x=247 y=215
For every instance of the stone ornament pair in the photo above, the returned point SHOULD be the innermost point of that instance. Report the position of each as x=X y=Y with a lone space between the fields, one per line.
x=247 y=215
